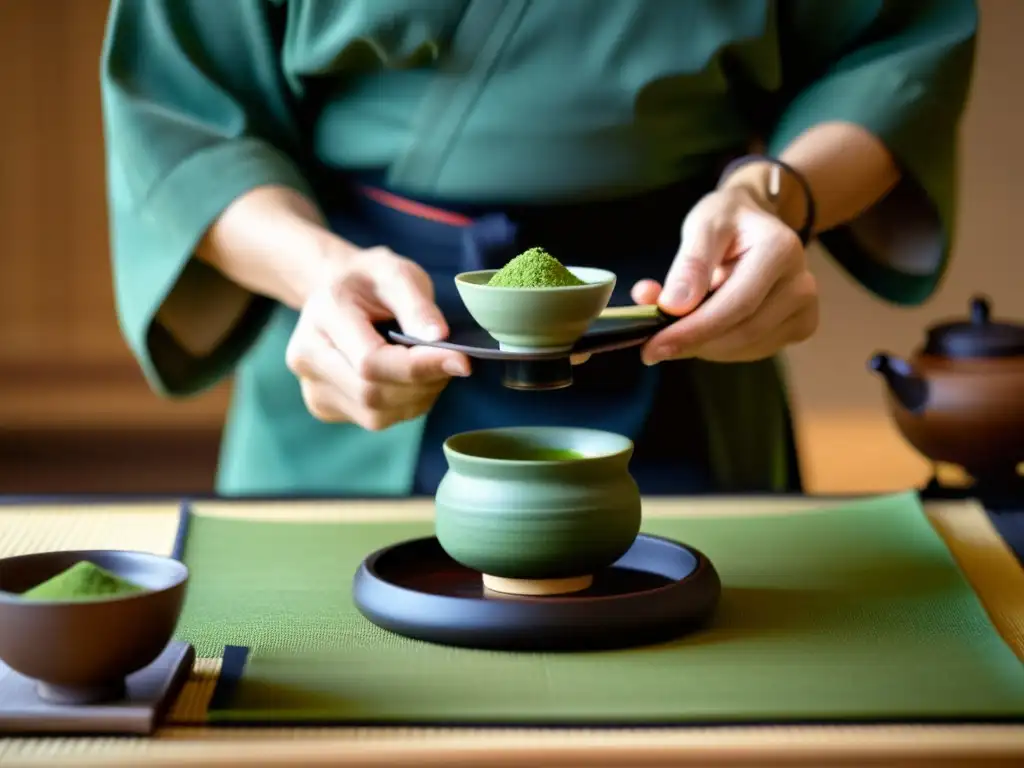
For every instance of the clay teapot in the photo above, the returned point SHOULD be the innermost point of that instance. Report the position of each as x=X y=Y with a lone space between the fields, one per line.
x=959 y=399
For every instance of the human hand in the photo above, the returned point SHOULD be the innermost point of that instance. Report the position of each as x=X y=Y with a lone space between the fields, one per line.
x=765 y=298
x=347 y=370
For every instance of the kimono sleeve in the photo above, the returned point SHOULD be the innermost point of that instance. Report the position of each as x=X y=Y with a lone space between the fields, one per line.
x=195 y=114
x=902 y=70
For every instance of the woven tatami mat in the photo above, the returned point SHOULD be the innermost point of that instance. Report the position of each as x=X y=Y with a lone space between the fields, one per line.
x=142 y=527
x=984 y=557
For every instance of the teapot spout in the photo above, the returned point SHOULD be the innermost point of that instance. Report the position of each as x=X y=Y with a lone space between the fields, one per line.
x=909 y=389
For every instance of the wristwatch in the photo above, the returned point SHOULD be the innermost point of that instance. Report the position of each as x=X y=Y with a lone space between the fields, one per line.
x=778 y=167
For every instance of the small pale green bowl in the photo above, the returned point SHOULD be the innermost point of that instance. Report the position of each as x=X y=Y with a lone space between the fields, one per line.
x=528 y=319
x=537 y=510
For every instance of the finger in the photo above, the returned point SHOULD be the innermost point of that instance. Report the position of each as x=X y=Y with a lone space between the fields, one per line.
x=646 y=292
x=796 y=328
x=329 y=384
x=324 y=401
x=334 y=392
x=348 y=327
x=416 y=408
x=342 y=396
x=706 y=241
x=324 y=363
x=405 y=289
x=721 y=274
x=310 y=353
x=413 y=365
x=792 y=297
x=754 y=276
x=377 y=404
x=374 y=420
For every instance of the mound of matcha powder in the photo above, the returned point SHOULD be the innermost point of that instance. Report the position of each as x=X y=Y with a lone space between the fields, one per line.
x=535 y=268
x=82 y=581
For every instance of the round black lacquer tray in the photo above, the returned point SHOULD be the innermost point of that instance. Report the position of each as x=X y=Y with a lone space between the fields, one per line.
x=659 y=590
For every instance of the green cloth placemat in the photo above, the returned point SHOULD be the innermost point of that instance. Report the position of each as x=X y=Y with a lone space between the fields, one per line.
x=854 y=613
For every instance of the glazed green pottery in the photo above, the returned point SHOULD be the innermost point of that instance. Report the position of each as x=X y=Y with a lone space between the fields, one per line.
x=538 y=504
x=522 y=319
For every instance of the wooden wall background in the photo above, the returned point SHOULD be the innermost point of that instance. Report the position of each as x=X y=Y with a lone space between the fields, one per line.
x=76 y=415
x=75 y=412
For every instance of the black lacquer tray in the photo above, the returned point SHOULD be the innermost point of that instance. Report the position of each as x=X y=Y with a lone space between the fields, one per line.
x=616 y=328
x=659 y=590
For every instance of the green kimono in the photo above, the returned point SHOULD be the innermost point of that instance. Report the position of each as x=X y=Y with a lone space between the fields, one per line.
x=478 y=100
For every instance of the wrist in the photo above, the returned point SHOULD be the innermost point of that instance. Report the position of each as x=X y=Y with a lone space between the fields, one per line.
x=773 y=189
x=274 y=241
x=319 y=254
x=313 y=252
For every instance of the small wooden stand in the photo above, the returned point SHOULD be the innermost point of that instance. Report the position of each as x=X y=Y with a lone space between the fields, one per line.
x=148 y=695
x=537 y=587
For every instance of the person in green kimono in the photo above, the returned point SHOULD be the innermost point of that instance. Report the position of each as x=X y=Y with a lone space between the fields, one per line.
x=284 y=174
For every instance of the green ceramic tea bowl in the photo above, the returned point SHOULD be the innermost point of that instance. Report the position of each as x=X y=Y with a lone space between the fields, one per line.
x=522 y=319
x=537 y=510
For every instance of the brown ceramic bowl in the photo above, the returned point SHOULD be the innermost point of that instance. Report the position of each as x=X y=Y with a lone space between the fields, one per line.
x=80 y=652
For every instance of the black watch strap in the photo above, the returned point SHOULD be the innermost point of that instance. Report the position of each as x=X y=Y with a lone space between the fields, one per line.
x=806 y=232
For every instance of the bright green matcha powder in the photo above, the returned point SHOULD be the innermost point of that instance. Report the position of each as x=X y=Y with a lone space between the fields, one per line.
x=550 y=454
x=535 y=268
x=82 y=581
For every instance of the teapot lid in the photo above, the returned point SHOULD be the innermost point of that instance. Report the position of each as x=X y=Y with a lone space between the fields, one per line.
x=978 y=337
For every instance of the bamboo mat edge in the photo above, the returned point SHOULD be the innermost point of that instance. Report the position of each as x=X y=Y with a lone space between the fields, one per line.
x=985 y=559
